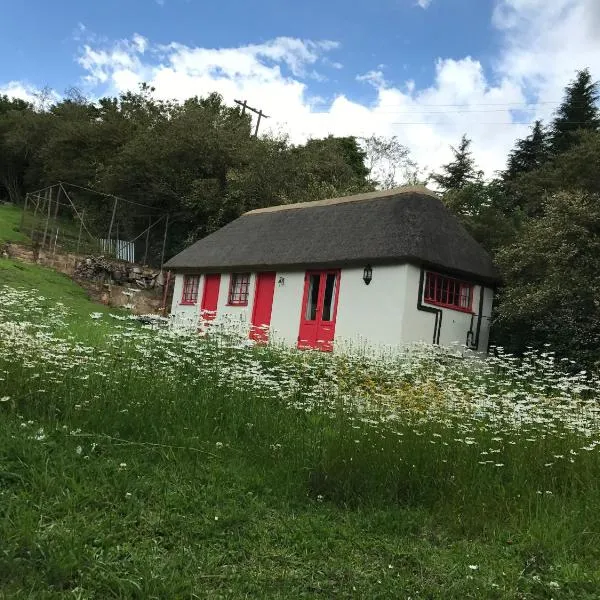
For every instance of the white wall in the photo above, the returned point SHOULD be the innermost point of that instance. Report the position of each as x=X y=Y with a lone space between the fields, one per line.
x=189 y=313
x=419 y=325
x=287 y=306
x=383 y=313
x=235 y=314
x=371 y=314
x=185 y=313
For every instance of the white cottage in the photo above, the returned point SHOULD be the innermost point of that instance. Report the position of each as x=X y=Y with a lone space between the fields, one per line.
x=387 y=267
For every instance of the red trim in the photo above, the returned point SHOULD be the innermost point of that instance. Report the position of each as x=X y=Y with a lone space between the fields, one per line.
x=448 y=292
x=189 y=292
x=450 y=306
x=337 y=296
x=242 y=293
x=304 y=301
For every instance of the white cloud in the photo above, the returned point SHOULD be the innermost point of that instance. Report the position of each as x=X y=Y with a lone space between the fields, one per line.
x=375 y=78
x=80 y=32
x=274 y=75
x=18 y=89
x=41 y=98
x=424 y=3
x=547 y=41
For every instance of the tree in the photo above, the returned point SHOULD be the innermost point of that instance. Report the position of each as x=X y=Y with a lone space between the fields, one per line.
x=529 y=154
x=579 y=110
x=461 y=171
x=9 y=104
x=20 y=134
x=339 y=161
x=552 y=291
x=386 y=158
x=479 y=207
x=276 y=172
x=196 y=160
x=578 y=168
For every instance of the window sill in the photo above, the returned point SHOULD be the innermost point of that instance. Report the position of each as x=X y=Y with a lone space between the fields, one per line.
x=188 y=303
x=468 y=311
x=237 y=304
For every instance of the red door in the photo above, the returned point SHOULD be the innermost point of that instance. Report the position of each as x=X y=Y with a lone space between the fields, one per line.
x=319 y=310
x=210 y=296
x=263 y=303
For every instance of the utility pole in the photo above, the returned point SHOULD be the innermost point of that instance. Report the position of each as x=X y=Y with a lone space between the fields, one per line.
x=260 y=114
x=243 y=105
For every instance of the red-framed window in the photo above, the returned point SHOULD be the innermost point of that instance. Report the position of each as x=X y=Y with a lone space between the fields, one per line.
x=239 y=284
x=189 y=294
x=448 y=292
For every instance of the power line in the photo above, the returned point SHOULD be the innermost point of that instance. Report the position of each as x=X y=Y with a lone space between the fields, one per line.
x=484 y=104
x=525 y=107
x=467 y=104
x=450 y=112
x=485 y=123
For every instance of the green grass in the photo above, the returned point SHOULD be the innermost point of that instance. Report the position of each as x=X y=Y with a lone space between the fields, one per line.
x=57 y=287
x=69 y=239
x=152 y=468
x=52 y=284
x=10 y=219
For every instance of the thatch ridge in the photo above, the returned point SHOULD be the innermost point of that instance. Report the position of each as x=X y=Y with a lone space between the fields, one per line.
x=405 y=189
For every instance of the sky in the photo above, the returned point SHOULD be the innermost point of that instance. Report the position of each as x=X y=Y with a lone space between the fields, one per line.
x=425 y=71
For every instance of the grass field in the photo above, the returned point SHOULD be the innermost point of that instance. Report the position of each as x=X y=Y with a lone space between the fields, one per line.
x=10 y=219
x=141 y=463
x=63 y=230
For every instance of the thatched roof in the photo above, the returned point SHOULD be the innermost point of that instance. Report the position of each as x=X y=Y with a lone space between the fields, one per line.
x=408 y=224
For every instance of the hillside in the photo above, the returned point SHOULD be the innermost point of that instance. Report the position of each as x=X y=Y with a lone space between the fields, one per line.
x=97 y=277
x=138 y=464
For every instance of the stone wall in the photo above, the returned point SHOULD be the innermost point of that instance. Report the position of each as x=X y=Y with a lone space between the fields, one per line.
x=109 y=281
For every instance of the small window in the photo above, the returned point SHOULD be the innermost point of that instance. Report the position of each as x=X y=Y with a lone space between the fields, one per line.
x=329 y=296
x=313 y=297
x=238 y=289
x=190 y=289
x=448 y=292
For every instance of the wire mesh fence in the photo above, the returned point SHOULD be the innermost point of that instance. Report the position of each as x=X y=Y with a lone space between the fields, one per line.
x=65 y=218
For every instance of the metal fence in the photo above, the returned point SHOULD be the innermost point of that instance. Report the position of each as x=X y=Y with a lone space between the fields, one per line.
x=121 y=249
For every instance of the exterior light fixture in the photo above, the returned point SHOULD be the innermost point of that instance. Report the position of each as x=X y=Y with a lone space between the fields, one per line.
x=367 y=274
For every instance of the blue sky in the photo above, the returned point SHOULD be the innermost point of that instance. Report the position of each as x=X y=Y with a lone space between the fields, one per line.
x=398 y=34
x=423 y=70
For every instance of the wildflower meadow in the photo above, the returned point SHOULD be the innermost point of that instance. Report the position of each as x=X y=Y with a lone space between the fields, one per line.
x=141 y=460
